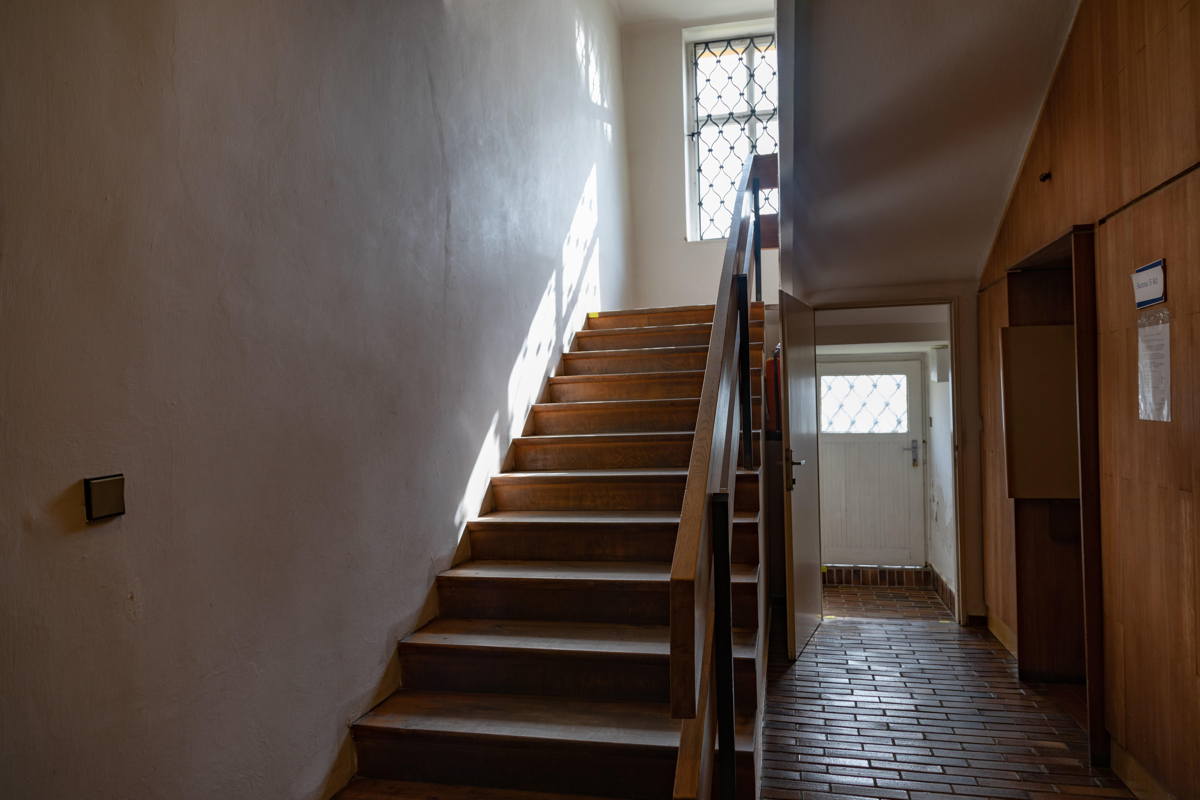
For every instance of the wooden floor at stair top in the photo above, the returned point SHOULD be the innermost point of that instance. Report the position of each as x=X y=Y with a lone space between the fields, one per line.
x=893 y=708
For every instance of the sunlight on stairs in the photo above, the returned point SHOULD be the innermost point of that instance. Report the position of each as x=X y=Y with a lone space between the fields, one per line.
x=546 y=671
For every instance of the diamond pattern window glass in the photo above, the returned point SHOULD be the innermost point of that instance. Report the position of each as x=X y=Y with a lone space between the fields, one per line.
x=864 y=404
x=736 y=113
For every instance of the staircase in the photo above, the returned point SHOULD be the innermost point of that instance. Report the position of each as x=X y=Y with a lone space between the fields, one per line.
x=546 y=671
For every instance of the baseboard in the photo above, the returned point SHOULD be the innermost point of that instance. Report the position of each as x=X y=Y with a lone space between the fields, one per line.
x=865 y=575
x=1136 y=777
x=943 y=590
x=1006 y=635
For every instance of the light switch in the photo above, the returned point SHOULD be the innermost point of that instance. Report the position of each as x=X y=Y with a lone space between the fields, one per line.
x=104 y=497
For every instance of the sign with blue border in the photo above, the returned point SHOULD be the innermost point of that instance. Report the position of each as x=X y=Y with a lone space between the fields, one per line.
x=1150 y=283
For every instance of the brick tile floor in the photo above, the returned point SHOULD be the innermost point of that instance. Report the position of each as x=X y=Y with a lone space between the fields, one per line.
x=884 y=601
x=892 y=699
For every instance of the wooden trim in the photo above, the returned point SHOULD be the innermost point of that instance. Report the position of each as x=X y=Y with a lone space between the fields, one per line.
x=1137 y=778
x=1083 y=276
x=1002 y=632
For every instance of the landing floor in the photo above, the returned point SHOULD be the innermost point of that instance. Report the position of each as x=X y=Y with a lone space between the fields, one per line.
x=892 y=699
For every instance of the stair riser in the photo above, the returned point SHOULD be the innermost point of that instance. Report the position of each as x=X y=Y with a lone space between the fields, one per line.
x=638 y=773
x=640 y=361
x=652 y=387
x=603 y=455
x=557 y=419
x=624 y=602
x=634 y=454
x=585 y=341
x=550 y=420
x=599 y=542
x=619 y=494
x=595 y=676
x=666 y=316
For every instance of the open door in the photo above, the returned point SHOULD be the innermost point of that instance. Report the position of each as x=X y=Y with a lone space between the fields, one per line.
x=802 y=504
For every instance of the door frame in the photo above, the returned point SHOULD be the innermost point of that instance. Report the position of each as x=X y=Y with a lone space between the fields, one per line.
x=912 y=296
x=926 y=480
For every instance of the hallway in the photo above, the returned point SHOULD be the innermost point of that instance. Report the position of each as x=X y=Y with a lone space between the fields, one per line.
x=891 y=699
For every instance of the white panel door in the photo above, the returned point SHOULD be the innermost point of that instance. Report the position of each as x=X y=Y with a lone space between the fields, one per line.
x=872 y=417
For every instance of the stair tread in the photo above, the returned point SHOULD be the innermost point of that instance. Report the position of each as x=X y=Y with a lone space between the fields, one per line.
x=583 y=517
x=641 y=351
x=531 y=718
x=576 y=474
x=636 y=329
x=617 y=436
x=582 y=405
x=378 y=789
x=644 y=571
x=538 y=635
x=610 y=377
x=679 y=348
x=653 y=310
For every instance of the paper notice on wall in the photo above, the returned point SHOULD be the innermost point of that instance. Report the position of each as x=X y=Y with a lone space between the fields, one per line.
x=1154 y=366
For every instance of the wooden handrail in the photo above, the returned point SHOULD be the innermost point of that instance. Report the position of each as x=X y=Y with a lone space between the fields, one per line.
x=700 y=626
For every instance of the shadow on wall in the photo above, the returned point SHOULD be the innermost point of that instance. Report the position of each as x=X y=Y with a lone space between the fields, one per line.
x=575 y=285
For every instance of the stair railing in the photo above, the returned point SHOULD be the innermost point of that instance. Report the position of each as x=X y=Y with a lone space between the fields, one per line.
x=701 y=661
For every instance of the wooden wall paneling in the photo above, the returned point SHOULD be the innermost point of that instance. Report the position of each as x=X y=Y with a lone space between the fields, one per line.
x=1148 y=507
x=997 y=509
x=1083 y=275
x=1040 y=430
x=1049 y=590
x=1041 y=297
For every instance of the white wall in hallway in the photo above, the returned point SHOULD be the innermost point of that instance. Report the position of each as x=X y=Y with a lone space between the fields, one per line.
x=296 y=269
x=670 y=270
x=942 y=542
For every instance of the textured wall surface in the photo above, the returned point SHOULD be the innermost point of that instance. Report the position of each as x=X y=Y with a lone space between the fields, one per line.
x=296 y=269
x=941 y=525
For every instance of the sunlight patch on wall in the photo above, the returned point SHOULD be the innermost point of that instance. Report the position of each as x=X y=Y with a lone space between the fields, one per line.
x=581 y=261
x=533 y=362
x=589 y=66
x=486 y=465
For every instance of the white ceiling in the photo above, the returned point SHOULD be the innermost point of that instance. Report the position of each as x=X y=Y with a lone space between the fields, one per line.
x=884 y=315
x=690 y=12
x=920 y=114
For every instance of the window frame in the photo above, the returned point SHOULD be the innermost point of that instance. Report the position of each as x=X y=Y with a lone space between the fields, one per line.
x=747 y=29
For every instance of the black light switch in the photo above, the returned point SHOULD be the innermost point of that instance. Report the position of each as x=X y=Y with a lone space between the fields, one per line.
x=104 y=497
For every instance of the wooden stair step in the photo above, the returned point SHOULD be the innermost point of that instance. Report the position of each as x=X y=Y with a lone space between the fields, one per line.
x=649 y=359
x=619 y=416
x=606 y=490
x=570 y=659
x=652 y=336
x=606 y=450
x=382 y=789
x=630 y=385
x=672 y=315
x=593 y=536
x=615 y=416
x=536 y=743
x=627 y=592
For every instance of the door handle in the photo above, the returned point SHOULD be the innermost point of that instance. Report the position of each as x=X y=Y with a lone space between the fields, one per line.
x=915 y=449
x=793 y=463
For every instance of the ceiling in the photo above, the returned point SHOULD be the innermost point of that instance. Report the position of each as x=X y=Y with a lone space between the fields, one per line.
x=919 y=115
x=690 y=12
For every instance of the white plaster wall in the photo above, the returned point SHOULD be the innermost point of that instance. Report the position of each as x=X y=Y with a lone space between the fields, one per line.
x=296 y=269
x=670 y=270
x=942 y=537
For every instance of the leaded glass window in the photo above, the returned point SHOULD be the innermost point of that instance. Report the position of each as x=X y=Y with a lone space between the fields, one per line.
x=864 y=404
x=736 y=113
